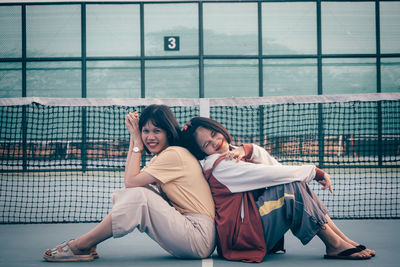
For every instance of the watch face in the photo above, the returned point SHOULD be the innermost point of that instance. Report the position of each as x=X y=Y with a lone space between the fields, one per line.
x=135 y=149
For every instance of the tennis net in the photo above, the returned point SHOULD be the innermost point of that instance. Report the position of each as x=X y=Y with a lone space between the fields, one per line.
x=60 y=159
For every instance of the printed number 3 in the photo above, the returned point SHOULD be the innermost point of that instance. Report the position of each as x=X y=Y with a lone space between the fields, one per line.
x=172 y=43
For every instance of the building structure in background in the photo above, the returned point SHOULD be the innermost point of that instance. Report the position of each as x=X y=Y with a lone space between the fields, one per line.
x=197 y=49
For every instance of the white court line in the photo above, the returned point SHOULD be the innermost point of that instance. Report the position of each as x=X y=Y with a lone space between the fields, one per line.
x=207 y=262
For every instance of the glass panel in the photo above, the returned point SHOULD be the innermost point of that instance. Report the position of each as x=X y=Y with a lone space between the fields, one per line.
x=53 y=31
x=230 y=28
x=113 y=79
x=390 y=27
x=290 y=77
x=53 y=79
x=172 y=78
x=113 y=30
x=10 y=79
x=171 y=20
x=289 y=28
x=227 y=78
x=349 y=75
x=390 y=75
x=10 y=31
x=348 y=28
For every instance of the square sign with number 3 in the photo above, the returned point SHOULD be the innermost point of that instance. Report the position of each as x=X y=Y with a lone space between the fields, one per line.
x=171 y=43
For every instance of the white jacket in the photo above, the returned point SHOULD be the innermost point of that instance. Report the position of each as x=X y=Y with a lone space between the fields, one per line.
x=262 y=171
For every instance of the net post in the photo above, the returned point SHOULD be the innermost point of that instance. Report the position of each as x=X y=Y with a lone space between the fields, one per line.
x=378 y=82
x=321 y=145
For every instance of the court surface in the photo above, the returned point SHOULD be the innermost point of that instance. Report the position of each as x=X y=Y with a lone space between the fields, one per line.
x=23 y=245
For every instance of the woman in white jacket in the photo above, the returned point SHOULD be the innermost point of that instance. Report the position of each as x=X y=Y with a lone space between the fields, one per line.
x=286 y=201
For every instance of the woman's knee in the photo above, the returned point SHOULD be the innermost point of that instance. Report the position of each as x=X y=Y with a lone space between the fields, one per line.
x=135 y=194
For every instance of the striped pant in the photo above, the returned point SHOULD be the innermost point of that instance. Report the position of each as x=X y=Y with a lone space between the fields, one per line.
x=291 y=206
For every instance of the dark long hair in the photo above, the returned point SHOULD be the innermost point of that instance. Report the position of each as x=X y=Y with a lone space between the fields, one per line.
x=162 y=117
x=188 y=134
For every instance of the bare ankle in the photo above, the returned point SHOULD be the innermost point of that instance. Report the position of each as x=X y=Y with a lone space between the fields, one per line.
x=77 y=245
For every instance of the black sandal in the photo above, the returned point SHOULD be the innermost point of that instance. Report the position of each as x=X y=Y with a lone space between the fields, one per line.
x=346 y=255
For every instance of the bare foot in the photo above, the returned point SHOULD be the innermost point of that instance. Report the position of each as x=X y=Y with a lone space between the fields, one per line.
x=363 y=248
x=335 y=252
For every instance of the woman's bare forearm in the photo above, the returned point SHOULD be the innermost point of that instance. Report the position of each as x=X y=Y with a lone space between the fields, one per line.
x=132 y=165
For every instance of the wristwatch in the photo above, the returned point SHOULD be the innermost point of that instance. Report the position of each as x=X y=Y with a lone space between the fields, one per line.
x=136 y=149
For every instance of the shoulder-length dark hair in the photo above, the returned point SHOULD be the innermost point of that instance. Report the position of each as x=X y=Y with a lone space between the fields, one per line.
x=188 y=138
x=162 y=117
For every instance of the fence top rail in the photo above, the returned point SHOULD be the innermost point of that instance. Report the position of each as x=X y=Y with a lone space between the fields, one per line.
x=211 y=102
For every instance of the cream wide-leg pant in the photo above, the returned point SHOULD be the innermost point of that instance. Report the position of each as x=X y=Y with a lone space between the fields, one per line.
x=188 y=235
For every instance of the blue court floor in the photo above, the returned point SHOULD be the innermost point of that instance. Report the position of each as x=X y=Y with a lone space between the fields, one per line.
x=23 y=245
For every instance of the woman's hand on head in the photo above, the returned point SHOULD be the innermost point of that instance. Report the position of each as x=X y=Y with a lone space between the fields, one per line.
x=132 y=124
x=235 y=154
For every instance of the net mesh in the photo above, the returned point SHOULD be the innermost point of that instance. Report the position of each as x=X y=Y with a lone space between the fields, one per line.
x=61 y=163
